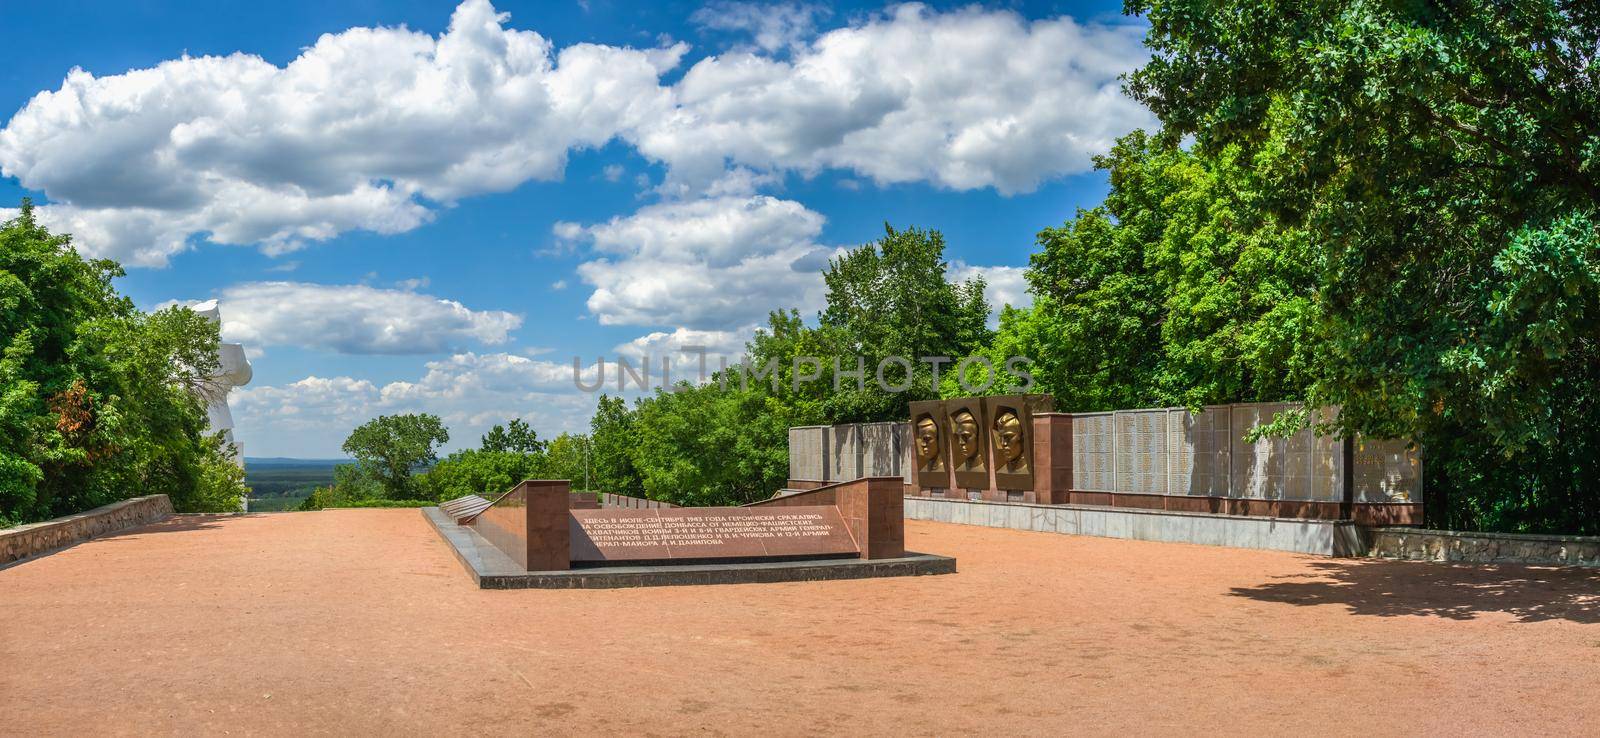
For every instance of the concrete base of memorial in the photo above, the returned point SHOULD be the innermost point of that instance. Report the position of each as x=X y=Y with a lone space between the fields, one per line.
x=1321 y=537
x=491 y=568
x=1367 y=514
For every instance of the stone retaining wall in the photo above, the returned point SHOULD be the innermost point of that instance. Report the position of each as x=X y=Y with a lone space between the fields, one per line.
x=27 y=540
x=1483 y=548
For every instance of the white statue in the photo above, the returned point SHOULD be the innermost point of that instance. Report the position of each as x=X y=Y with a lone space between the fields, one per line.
x=234 y=371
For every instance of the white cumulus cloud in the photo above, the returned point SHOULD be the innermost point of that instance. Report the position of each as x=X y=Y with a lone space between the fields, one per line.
x=770 y=26
x=966 y=99
x=469 y=391
x=682 y=354
x=1003 y=285
x=352 y=134
x=712 y=264
x=356 y=319
x=373 y=128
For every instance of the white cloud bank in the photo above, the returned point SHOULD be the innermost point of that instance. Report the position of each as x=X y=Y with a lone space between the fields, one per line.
x=469 y=391
x=966 y=99
x=713 y=264
x=356 y=319
x=358 y=132
x=1003 y=285
x=372 y=128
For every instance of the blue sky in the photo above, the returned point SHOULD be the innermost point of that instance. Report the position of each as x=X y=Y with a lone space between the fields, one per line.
x=408 y=207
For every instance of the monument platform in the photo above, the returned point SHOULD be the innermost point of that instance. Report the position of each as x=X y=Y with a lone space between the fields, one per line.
x=1038 y=635
x=491 y=568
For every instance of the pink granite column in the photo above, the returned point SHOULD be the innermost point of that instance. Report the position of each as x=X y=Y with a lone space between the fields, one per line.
x=874 y=509
x=1052 y=458
x=549 y=534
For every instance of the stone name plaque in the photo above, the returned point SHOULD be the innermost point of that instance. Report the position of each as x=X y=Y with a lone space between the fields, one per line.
x=1386 y=472
x=684 y=533
x=1092 y=442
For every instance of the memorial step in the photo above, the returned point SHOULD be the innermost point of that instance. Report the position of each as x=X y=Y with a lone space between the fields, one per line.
x=463 y=509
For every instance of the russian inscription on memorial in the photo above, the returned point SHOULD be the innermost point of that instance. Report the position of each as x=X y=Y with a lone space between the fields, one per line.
x=708 y=533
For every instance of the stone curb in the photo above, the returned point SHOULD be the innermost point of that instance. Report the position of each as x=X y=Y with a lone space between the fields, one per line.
x=34 y=539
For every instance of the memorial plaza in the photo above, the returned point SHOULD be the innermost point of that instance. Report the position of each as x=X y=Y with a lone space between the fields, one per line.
x=362 y=621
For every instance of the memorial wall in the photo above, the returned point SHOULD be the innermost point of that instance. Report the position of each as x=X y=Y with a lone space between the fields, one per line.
x=1385 y=471
x=1165 y=458
x=821 y=454
x=540 y=527
x=1175 y=452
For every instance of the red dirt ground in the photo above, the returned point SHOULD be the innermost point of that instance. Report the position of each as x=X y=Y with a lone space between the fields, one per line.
x=362 y=622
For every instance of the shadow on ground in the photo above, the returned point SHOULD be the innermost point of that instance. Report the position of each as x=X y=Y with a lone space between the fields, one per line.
x=1454 y=591
x=174 y=524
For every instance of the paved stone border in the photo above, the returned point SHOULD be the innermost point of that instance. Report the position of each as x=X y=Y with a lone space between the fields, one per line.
x=1415 y=544
x=33 y=539
x=492 y=569
x=1321 y=537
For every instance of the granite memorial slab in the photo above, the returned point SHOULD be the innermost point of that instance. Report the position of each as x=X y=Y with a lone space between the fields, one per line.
x=881 y=448
x=719 y=533
x=528 y=523
x=1386 y=471
x=807 y=461
x=1093 y=452
x=1141 y=451
x=1197 y=452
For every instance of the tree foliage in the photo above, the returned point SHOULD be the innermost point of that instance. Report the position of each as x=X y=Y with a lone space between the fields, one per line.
x=352 y=485
x=98 y=400
x=608 y=450
x=707 y=445
x=480 y=472
x=389 y=448
x=513 y=437
x=1176 y=291
x=1437 y=168
x=569 y=456
x=396 y=461
x=892 y=298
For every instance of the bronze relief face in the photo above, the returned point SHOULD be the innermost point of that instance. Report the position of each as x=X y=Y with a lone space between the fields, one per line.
x=964 y=428
x=1008 y=438
x=1012 y=442
x=927 y=439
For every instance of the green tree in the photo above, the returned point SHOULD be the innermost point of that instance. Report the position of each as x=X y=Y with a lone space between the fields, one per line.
x=892 y=298
x=610 y=446
x=98 y=400
x=480 y=472
x=351 y=486
x=514 y=437
x=708 y=445
x=1179 y=289
x=1442 y=163
x=570 y=456
x=389 y=448
x=726 y=442
x=1096 y=342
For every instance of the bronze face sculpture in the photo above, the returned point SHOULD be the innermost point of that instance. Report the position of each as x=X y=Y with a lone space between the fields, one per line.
x=927 y=439
x=1008 y=439
x=964 y=428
